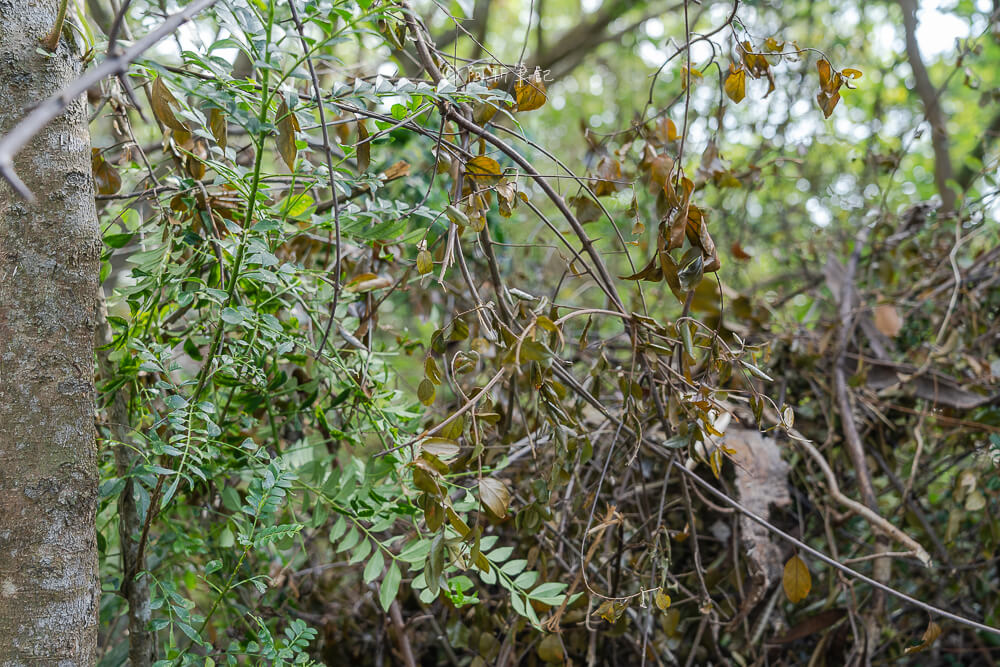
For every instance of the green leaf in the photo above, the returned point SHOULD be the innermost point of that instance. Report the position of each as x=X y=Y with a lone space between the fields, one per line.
x=374 y=567
x=390 y=586
x=348 y=542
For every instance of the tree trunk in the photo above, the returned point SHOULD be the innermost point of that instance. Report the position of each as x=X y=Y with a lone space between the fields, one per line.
x=49 y=260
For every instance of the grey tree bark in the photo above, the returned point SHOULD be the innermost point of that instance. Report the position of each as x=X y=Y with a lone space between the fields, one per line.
x=49 y=262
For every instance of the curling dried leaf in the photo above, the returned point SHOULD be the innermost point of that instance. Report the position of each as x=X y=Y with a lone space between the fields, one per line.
x=287 y=125
x=506 y=197
x=830 y=82
x=162 y=101
x=931 y=634
x=364 y=147
x=688 y=75
x=829 y=79
x=106 y=179
x=219 y=127
x=827 y=103
x=425 y=263
x=609 y=177
x=736 y=84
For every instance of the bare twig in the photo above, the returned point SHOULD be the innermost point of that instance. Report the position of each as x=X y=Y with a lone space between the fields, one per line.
x=12 y=142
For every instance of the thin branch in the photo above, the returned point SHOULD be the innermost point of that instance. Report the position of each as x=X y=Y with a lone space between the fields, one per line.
x=12 y=142
x=943 y=171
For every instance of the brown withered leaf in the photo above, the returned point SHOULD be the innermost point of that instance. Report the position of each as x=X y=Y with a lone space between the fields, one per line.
x=651 y=273
x=364 y=147
x=678 y=223
x=659 y=172
x=830 y=82
x=670 y=272
x=666 y=130
x=587 y=210
x=888 y=320
x=287 y=125
x=506 y=197
x=194 y=162
x=810 y=626
x=106 y=178
x=609 y=175
x=827 y=102
x=219 y=127
x=930 y=635
x=829 y=79
x=162 y=100
x=737 y=251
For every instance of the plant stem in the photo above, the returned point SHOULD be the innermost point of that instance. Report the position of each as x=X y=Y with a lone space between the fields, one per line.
x=51 y=40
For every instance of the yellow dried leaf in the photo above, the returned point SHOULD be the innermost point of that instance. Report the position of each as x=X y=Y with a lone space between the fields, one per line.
x=425 y=264
x=715 y=461
x=530 y=92
x=824 y=68
x=736 y=84
x=687 y=75
x=484 y=170
x=662 y=600
x=796 y=579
